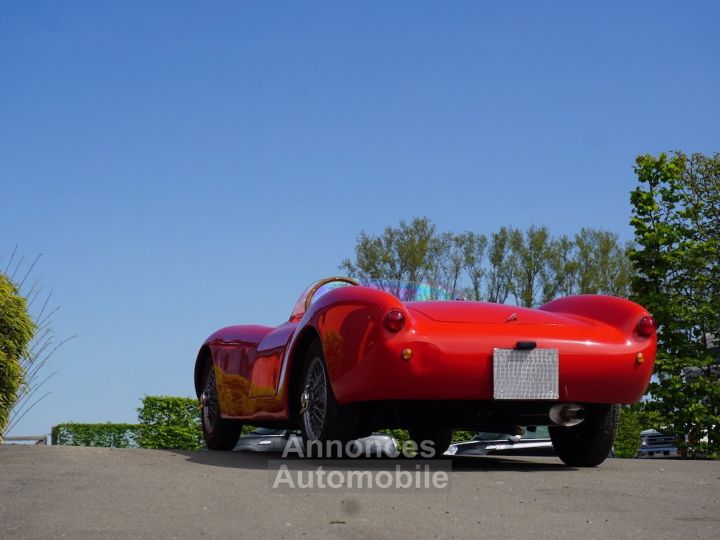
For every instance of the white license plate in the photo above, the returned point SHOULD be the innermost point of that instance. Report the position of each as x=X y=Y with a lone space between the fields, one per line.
x=525 y=374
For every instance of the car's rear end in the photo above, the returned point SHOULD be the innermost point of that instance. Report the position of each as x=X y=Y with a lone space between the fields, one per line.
x=481 y=351
x=492 y=367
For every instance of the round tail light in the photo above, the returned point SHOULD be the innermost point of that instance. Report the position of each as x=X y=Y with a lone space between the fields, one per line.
x=647 y=326
x=394 y=320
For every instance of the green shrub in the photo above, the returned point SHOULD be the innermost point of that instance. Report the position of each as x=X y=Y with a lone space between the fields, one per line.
x=170 y=422
x=400 y=435
x=164 y=422
x=627 y=440
x=106 y=435
x=463 y=436
x=16 y=331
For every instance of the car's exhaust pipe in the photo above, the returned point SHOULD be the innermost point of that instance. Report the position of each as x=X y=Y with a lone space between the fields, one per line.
x=567 y=414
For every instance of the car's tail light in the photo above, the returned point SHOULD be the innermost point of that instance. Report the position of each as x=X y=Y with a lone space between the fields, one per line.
x=647 y=326
x=394 y=320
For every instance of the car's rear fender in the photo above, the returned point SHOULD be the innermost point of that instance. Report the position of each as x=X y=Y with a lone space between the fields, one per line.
x=204 y=357
x=611 y=310
x=348 y=321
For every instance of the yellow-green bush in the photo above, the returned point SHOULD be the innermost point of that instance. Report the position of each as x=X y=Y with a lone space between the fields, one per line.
x=16 y=331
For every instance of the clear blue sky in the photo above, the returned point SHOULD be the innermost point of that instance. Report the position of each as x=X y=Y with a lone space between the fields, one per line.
x=187 y=166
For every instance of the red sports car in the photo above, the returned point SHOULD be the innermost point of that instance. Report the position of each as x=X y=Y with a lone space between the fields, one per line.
x=358 y=356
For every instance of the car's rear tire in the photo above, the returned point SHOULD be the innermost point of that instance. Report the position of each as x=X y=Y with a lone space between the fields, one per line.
x=218 y=432
x=323 y=419
x=588 y=443
x=439 y=436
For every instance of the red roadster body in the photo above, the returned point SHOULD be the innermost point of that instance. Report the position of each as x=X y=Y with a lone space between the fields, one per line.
x=353 y=358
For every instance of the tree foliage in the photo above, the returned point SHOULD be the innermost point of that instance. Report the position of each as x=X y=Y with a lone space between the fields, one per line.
x=527 y=268
x=16 y=331
x=627 y=440
x=404 y=253
x=676 y=216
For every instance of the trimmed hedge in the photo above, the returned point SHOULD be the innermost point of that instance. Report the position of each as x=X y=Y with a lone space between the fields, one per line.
x=170 y=422
x=16 y=331
x=164 y=422
x=106 y=435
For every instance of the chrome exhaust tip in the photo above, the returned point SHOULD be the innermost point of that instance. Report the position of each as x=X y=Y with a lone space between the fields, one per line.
x=567 y=414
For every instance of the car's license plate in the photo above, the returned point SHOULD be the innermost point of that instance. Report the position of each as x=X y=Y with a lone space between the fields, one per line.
x=525 y=374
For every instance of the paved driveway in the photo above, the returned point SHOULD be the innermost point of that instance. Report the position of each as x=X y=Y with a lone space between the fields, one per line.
x=51 y=492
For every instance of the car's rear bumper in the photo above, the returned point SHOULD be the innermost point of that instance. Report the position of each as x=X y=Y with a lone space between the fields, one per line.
x=462 y=369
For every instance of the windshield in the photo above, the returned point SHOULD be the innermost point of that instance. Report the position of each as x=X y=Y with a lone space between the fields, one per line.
x=317 y=290
x=409 y=291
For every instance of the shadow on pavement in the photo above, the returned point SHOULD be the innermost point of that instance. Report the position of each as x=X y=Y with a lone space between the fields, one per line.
x=518 y=464
x=252 y=460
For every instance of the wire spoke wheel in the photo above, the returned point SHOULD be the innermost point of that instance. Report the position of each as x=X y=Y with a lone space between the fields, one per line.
x=315 y=399
x=319 y=414
x=219 y=433
x=211 y=409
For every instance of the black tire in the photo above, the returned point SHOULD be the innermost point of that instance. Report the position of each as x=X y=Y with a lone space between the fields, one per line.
x=588 y=443
x=322 y=418
x=439 y=436
x=219 y=433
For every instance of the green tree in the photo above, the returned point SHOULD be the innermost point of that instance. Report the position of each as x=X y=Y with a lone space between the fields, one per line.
x=533 y=252
x=474 y=247
x=530 y=267
x=501 y=266
x=561 y=272
x=408 y=253
x=449 y=261
x=627 y=440
x=603 y=266
x=16 y=331
x=676 y=209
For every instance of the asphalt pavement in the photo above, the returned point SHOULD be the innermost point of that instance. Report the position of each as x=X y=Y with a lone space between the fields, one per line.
x=71 y=492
